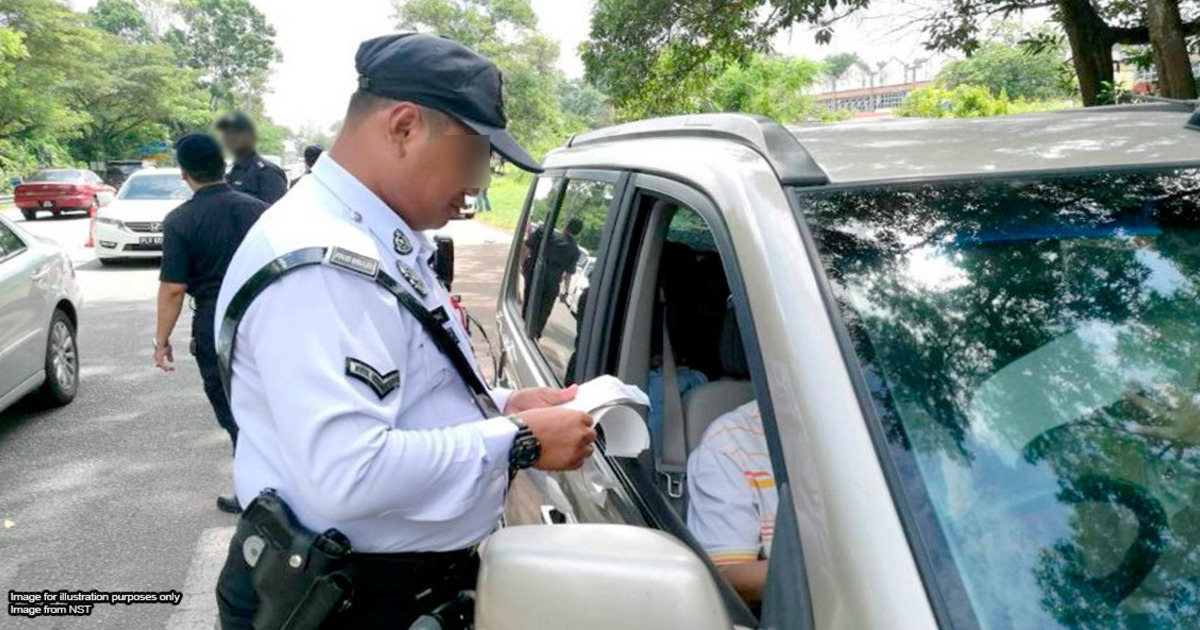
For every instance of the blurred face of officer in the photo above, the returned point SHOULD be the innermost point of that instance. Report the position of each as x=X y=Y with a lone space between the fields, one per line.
x=237 y=141
x=432 y=163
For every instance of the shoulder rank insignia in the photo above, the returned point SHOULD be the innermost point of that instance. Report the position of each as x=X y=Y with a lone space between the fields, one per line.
x=381 y=384
x=413 y=279
x=400 y=242
x=351 y=261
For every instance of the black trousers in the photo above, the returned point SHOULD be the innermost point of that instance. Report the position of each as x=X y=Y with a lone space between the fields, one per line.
x=204 y=348
x=385 y=592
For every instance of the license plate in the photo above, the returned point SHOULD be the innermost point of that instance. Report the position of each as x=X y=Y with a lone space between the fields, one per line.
x=150 y=240
x=47 y=204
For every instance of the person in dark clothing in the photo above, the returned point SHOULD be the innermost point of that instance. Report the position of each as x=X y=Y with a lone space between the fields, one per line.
x=559 y=260
x=199 y=239
x=312 y=153
x=251 y=174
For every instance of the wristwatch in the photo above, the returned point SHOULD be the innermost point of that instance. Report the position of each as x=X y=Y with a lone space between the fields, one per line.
x=525 y=449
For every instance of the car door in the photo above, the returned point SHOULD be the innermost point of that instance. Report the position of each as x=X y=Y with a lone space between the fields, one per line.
x=569 y=216
x=22 y=338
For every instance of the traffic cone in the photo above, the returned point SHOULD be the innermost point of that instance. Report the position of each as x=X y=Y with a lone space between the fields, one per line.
x=91 y=226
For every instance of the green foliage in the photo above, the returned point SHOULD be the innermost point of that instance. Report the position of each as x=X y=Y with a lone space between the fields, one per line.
x=768 y=85
x=1021 y=72
x=970 y=101
x=232 y=45
x=836 y=66
x=123 y=19
x=504 y=31
x=584 y=106
x=630 y=37
x=77 y=89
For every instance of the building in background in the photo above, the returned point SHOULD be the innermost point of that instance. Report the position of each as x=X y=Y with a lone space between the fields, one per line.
x=875 y=88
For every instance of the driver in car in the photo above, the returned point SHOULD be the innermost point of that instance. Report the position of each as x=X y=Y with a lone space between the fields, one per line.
x=732 y=499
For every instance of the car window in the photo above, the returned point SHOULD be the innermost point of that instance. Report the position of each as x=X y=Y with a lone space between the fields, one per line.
x=1032 y=354
x=56 y=176
x=557 y=271
x=165 y=186
x=546 y=194
x=10 y=243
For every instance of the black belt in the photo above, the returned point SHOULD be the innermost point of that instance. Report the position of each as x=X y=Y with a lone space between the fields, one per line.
x=410 y=570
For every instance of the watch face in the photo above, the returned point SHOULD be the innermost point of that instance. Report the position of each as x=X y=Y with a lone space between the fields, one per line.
x=525 y=451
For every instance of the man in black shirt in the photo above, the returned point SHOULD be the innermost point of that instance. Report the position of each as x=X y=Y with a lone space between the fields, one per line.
x=312 y=153
x=199 y=239
x=559 y=260
x=251 y=173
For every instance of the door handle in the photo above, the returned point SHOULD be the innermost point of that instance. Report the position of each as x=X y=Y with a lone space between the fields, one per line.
x=554 y=516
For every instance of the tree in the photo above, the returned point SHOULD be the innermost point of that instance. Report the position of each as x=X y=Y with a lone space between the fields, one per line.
x=584 y=106
x=628 y=36
x=141 y=96
x=837 y=65
x=1171 y=57
x=232 y=45
x=121 y=18
x=1021 y=72
x=504 y=31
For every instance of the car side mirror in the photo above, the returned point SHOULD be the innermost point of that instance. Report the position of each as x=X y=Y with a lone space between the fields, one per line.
x=443 y=260
x=594 y=577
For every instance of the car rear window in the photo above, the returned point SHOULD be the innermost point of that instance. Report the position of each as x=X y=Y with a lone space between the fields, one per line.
x=163 y=186
x=1032 y=352
x=56 y=176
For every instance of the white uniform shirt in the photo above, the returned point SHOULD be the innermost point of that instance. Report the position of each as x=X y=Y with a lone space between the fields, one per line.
x=414 y=468
x=732 y=497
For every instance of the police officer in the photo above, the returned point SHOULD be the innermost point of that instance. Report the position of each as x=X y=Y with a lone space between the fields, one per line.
x=348 y=407
x=251 y=173
x=199 y=239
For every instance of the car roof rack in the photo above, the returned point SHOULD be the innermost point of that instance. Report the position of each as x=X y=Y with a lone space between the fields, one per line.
x=791 y=162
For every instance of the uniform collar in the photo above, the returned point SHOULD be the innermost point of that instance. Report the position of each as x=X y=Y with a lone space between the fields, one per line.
x=364 y=207
x=246 y=160
x=211 y=190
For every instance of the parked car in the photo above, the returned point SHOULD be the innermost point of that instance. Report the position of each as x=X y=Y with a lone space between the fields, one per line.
x=578 y=283
x=61 y=190
x=39 y=317
x=469 y=208
x=973 y=343
x=132 y=226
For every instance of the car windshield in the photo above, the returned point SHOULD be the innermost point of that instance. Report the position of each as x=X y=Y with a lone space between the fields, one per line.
x=56 y=176
x=161 y=186
x=1032 y=351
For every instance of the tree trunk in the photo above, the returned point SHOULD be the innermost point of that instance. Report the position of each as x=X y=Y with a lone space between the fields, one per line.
x=1175 y=78
x=1091 y=49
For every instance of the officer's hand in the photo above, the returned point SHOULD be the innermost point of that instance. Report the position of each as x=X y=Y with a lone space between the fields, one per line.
x=164 y=357
x=566 y=437
x=538 y=398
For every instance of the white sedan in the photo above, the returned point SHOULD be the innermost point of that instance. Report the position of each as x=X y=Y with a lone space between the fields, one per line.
x=131 y=226
x=39 y=314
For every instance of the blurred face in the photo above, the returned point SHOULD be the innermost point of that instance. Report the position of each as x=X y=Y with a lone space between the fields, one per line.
x=436 y=165
x=238 y=142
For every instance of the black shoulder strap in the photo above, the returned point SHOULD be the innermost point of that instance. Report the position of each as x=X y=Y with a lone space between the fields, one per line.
x=364 y=266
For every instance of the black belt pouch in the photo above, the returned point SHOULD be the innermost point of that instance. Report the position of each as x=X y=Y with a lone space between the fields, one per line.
x=301 y=578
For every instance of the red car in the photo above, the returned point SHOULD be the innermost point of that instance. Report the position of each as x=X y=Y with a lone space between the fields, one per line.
x=60 y=190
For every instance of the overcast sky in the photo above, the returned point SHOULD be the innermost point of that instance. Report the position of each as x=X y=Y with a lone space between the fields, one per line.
x=314 y=80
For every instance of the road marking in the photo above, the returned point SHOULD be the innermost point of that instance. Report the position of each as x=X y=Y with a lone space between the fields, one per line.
x=198 y=610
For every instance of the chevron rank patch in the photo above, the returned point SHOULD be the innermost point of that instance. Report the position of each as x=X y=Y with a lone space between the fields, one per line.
x=381 y=384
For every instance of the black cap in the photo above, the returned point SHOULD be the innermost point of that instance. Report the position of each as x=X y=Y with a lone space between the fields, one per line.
x=235 y=121
x=444 y=75
x=199 y=153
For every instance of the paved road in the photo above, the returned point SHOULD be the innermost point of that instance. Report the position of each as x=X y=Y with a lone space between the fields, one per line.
x=116 y=491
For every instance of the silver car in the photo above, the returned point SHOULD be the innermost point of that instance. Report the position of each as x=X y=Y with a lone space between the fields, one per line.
x=975 y=345
x=39 y=317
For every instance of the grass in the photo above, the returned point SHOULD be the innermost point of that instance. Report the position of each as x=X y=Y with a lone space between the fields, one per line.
x=507 y=195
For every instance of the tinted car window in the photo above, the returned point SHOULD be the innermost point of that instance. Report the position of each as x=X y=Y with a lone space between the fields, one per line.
x=56 y=176
x=165 y=186
x=562 y=251
x=10 y=243
x=1034 y=357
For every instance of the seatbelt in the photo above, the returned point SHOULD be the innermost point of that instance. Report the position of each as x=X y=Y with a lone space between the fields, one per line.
x=367 y=267
x=672 y=462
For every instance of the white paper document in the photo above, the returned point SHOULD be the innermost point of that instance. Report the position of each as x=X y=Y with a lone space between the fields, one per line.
x=610 y=403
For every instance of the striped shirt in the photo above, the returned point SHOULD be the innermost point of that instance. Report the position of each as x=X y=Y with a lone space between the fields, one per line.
x=731 y=489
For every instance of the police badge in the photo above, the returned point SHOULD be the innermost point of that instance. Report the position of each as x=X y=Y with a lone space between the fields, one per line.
x=400 y=242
